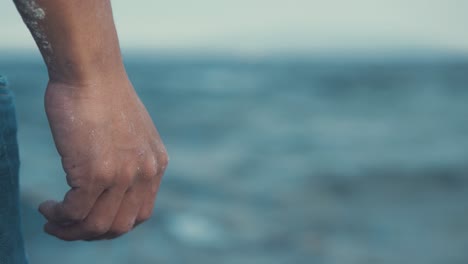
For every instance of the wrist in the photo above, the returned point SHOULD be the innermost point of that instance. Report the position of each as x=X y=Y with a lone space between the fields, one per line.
x=81 y=71
x=96 y=86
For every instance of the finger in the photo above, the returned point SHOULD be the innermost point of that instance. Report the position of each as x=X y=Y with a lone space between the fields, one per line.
x=147 y=208
x=98 y=222
x=153 y=173
x=125 y=218
x=74 y=208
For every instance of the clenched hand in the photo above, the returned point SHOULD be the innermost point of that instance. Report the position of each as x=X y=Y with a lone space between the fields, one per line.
x=112 y=156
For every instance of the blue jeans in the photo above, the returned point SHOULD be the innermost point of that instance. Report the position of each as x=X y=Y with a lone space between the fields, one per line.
x=11 y=240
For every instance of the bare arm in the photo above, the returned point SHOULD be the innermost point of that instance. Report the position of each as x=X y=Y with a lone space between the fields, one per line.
x=111 y=152
x=77 y=38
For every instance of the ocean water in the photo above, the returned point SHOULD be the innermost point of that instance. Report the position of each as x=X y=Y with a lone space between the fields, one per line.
x=279 y=161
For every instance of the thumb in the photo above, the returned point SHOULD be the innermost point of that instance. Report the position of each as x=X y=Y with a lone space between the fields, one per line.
x=47 y=209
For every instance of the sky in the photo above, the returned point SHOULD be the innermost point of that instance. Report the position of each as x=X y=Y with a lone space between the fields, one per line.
x=260 y=27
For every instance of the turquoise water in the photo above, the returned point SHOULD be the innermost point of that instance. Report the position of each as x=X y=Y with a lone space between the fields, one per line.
x=279 y=162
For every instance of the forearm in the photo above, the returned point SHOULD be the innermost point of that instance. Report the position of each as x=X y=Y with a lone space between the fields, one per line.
x=77 y=38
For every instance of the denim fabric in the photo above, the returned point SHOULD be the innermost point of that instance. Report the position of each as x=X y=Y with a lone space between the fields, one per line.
x=11 y=240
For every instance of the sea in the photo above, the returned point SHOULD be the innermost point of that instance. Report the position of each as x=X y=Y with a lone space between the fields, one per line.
x=277 y=160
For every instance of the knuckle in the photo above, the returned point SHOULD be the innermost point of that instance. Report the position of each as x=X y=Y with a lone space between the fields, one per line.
x=127 y=176
x=150 y=169
x=164 y=160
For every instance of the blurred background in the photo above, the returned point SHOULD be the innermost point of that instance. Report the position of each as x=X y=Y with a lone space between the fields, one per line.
x=299 y=131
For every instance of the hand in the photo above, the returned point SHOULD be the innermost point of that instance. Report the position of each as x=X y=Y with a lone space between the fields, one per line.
x=112 y=155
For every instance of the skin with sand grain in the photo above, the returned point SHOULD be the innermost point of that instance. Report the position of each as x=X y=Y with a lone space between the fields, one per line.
x=32 y=15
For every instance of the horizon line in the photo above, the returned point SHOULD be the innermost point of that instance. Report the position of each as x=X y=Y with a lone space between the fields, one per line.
x=410 y=53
